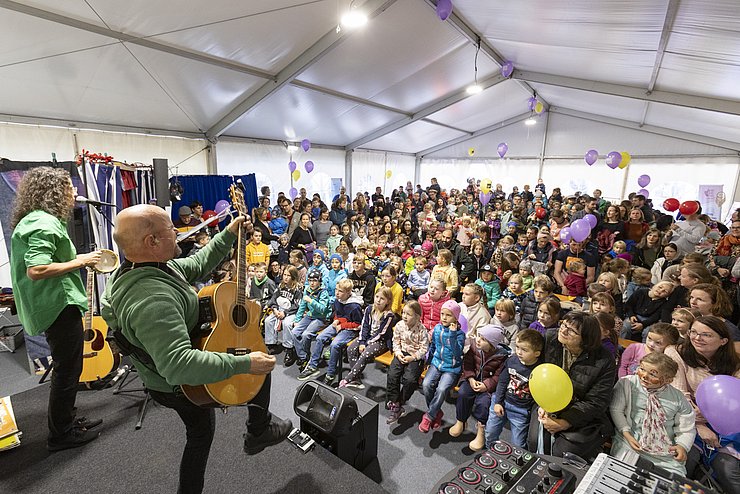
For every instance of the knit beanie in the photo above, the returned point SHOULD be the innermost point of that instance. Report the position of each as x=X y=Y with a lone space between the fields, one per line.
x=453 y=307
x=320 y=253
x=337 y=257
x=427 y=246
x=492 y=333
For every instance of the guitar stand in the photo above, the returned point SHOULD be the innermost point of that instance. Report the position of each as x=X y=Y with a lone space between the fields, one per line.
x=144 y=402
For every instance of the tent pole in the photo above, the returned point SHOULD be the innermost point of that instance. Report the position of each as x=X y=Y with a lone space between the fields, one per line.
x=544 y=145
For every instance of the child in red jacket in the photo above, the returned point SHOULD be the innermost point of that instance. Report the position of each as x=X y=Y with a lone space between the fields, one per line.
x=431 y=304
x=482 y=365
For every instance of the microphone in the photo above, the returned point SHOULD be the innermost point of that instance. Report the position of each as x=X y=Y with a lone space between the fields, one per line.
x=84 y=199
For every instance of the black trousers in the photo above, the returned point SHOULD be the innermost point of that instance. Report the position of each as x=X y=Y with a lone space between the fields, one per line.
x=200 y=425
x=403 y=380
x=66 y=341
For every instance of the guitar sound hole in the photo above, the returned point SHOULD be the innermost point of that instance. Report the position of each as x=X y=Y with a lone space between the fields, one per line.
x=239 y=315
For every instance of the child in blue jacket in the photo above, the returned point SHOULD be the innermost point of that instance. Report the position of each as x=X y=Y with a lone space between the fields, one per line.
x=313 y=315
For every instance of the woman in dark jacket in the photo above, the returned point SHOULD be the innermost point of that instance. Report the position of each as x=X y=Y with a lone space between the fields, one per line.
x=260 y=223
x=584 y=424
x=302 y=237
x=408 y=229
x=339 y=214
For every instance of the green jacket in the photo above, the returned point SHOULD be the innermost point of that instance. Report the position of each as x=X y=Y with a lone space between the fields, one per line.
x=155 y=311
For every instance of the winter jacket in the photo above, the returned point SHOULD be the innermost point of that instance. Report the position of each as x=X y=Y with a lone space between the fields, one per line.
x=321 y=268
x=477 y=316
x=446 y=347
x=492 y=290
x=330 y=282
x=340 y=216
x=261 y=292
x=318 y=308
x=364 y=286
x=528 y=310
x=278 y=226
x=418 y=280
x=348 y=312
x=641 y=305
x=484 y=367
x=383 y=331
x=448 y=274
x=593 y=374
x=431 y=311
x=411 y=341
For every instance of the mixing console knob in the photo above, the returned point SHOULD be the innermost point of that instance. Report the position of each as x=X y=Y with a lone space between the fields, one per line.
x=555 y=470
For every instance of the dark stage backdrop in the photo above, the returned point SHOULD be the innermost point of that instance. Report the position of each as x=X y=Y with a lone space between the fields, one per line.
x=209 y=189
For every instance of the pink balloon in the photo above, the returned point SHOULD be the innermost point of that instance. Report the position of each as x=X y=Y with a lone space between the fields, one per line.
x=309 y=166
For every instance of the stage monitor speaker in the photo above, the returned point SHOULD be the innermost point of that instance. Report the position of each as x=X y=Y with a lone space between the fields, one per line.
x=341 y=421
x=161 y=182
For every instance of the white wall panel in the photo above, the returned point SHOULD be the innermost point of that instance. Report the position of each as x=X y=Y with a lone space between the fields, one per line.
x=454 y=173
x=521 y=139
x=370 y=169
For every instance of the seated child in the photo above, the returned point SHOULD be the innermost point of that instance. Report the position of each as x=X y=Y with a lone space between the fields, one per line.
x=618 y=247
x=261 y=288
x=525 y=269
x=575 y=280
x=431 y=304
x=682 y=319
x=446 y=348
x=660 y=336
x=344 y=328
x=319 y=264
x=284 y=305
x=298 y=260
x=388 y=280
x=640 y=277
x=375 y=338
x=543 y=288
x=611 y=283
x=445 y=271
x=332 y=241
x=313 y=315
x=512 y=400
x=505 y=316
x=410 y=345
x=548 y=316
x=490 y=286
x=418 y=279
x=481 y=367
x=514 y=292
x=609 y=338
x=401 y=277
x=473 y=308
x=604 y=302
x=644 y=308
x=655 y=419
x=335 y=273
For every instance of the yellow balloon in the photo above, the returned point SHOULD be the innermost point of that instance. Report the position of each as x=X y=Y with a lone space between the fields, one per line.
x=551 y=387
x=388 y=174
x=471 y=151
x=296 y=175
x=485 y=185
x=539 y=107
x=626 y=159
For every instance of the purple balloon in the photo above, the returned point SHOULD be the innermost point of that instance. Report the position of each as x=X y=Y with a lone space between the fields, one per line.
x=579 y=230
x=531 y=103
x=309 y=166
x=463 y=323
x=643 y=180
x=444 y=9
x=718 y=398
x=292 y=166
x=221 y=206
x=613 y=159
x=565 y=234
x=306 y=144
x=507 y=68
x=502 y=149
x=293 y=192
x=591 y=220
x=485 y=198
x=591 y=156
x=644 y=192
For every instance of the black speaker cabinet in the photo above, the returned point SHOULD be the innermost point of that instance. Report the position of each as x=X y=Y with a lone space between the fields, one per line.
x=161 y=182
x=340 y=420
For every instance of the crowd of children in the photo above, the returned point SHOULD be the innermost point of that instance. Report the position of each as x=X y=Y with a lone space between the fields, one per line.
x=471 y=293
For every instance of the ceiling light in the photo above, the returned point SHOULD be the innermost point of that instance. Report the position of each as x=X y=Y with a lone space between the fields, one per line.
x=292 y=148
x=354 y=18
x=530 y=121
x=474 y=89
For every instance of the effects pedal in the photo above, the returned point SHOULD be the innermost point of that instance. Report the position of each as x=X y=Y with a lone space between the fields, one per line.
x=301 y=440
x=507 y=469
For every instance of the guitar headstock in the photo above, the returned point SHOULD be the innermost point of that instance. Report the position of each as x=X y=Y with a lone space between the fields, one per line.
x=237 y=200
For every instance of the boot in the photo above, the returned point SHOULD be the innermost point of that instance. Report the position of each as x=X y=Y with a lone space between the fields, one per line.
x=457 y=429
x=290 y=357
x=480 y=439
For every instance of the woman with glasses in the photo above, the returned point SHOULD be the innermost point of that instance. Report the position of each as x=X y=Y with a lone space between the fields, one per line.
x=584 y=424
x=711 y=300
x=708 y=352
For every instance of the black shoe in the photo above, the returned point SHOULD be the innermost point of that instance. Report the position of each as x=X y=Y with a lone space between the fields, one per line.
x=74 y=439
x=274 y=349
x=290 y=357
x=275 y=433
x=86 y=423
x=330 y=380
x=302 y=364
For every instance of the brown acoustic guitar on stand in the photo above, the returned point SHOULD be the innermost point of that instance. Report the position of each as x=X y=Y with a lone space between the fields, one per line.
x=98 y=360
x=235 y=329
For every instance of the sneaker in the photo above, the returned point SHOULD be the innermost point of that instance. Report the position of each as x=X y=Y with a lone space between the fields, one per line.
x=426 y=424
x=275 y=433
x=327 y=354
x=290 y=357
x=73 y=439
x=86 y=423
x=437 y=422
x=308 y=373
x=330 y=380
x=355 y=384
x=302 y=364
x=274 y=349
x=397 y=411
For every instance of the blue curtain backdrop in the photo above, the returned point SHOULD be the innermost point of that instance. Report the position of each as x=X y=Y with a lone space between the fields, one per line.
x=209 y=189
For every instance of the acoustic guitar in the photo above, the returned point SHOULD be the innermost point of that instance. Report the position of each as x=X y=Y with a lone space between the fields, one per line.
x=235 y=329
x=98 y=360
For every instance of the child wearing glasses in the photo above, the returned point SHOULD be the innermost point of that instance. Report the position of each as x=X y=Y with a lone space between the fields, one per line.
x=652 y=418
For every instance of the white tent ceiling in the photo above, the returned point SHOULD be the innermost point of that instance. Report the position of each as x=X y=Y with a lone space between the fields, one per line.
x=278 y=69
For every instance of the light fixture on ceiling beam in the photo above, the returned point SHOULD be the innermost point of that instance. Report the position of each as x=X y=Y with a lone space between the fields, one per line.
x=475 y=88
x=530 y=121
x=354 y=17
